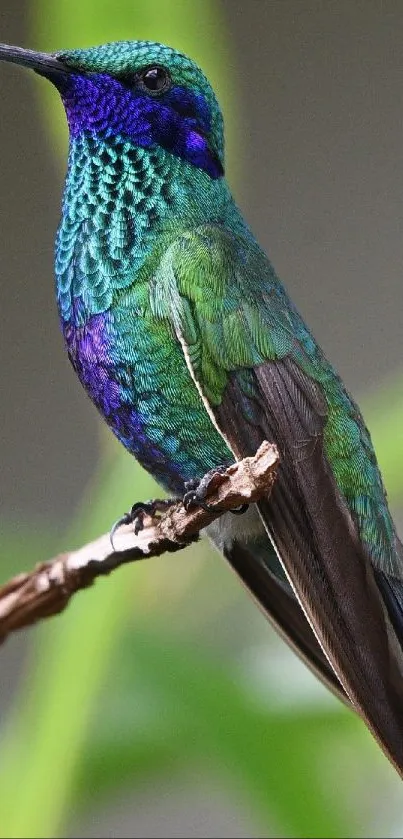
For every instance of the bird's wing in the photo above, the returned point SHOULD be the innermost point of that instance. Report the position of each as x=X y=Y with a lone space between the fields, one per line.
x=262 y=376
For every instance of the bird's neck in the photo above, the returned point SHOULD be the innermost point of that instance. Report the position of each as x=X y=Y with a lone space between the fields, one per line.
x=119 y=202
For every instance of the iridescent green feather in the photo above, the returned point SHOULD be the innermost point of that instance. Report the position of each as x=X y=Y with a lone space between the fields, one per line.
x=233 y=314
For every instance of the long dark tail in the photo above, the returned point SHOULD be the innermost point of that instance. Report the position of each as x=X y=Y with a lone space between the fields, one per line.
x=254 y=562
x=355 y=611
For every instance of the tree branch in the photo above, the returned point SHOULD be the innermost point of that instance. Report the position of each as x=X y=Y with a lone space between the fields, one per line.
x=48 y=588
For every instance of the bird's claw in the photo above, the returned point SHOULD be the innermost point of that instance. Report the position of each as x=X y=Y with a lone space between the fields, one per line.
x=138 y=513
x=192 y=499
x=239 y=511
x=196 y=491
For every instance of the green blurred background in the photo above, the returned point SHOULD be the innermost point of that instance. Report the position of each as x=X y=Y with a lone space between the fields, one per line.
x=162 y=703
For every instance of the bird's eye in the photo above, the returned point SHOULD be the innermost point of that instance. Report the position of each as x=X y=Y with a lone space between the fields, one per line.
x=155 y=80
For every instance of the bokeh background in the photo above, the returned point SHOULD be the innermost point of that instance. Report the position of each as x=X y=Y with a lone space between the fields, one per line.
x=162 y=703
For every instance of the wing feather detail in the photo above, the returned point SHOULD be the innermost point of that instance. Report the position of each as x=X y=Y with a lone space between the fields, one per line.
x=327 y=516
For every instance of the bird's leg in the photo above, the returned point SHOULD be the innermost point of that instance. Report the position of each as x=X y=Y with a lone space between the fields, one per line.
x=197 y=491
x=139 y=511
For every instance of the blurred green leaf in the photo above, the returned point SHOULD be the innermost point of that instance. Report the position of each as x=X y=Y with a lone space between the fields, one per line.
x=383 y=411
x=188 y=706
x=23 y=544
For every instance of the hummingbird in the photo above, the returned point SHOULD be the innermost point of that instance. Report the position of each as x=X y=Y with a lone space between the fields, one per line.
x=187 y=343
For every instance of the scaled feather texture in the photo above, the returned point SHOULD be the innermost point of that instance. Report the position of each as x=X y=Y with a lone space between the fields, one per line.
x=186 y=341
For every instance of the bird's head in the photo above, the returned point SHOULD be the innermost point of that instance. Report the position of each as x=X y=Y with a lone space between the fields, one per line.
x=142 y=92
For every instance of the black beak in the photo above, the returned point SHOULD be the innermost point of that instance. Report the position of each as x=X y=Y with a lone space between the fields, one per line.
x=44 y=63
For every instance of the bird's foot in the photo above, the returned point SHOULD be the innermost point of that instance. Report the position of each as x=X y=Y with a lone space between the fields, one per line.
x=138 y=513
x=197 y=491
